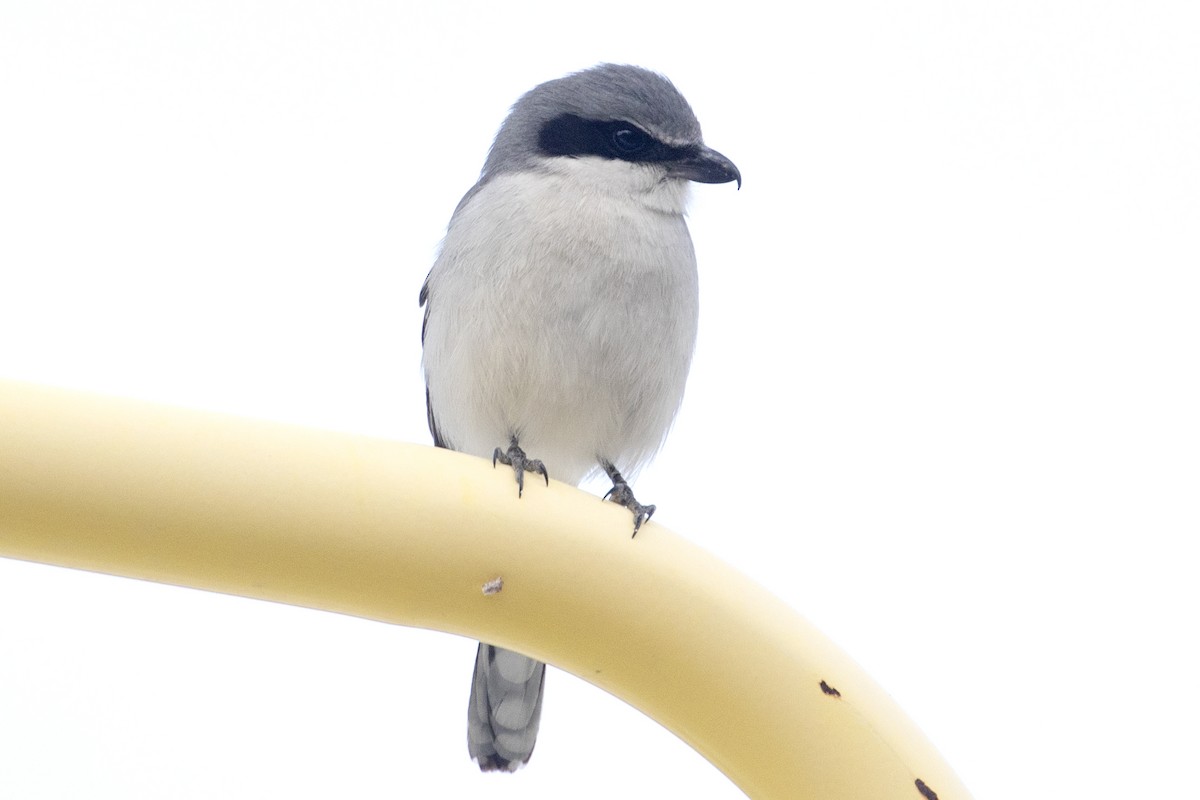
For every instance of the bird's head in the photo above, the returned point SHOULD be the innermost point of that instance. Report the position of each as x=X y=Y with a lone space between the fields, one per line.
x=621 y=125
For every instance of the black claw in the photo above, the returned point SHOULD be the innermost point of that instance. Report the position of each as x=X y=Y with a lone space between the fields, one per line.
x=622 y=495
x=515 y=457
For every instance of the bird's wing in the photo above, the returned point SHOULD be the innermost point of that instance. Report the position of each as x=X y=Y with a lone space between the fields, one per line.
x=433 y=428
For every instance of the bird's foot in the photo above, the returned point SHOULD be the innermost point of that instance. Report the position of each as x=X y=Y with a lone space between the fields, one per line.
x=622 y=495
x=515 y=457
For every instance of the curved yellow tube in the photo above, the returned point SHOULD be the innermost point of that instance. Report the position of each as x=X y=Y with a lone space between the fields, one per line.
x=416 y=536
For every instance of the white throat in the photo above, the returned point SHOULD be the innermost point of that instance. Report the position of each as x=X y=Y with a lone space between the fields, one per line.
x=643 y=184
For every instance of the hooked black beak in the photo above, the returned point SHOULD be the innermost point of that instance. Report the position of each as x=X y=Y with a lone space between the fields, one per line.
x=705 y=165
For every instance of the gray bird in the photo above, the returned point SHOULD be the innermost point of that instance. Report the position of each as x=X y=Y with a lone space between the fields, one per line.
x=560 y=316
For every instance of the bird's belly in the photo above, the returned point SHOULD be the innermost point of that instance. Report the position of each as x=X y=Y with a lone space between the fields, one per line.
x=568 y=328
x=573 y=381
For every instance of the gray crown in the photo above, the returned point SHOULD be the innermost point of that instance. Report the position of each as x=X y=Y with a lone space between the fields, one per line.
x=606 y=93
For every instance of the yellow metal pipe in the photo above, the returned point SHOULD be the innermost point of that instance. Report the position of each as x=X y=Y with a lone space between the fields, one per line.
x=411 y=535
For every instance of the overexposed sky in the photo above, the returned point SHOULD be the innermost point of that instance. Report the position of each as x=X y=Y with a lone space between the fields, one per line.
x=944 y=401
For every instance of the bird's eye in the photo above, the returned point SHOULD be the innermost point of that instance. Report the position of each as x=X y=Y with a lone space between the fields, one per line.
x=629 y=140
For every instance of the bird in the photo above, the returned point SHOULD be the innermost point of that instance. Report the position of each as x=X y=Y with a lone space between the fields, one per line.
x=561 y=313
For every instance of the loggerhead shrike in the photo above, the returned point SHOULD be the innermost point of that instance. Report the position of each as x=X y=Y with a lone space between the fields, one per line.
x=560 y=315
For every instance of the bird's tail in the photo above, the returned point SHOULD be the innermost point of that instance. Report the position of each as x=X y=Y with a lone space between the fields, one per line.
x=505 y=709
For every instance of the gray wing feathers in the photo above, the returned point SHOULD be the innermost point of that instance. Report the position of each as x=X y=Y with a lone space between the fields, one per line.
x=505 y=708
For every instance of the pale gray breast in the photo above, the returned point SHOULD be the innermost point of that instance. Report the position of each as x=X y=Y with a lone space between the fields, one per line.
x=567 y=320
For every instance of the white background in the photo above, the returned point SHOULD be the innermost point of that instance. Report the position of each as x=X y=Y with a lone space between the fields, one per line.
x=944 y=401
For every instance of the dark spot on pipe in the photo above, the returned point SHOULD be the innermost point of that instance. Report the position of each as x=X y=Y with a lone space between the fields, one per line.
x=832 y=692
x=926 y=792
